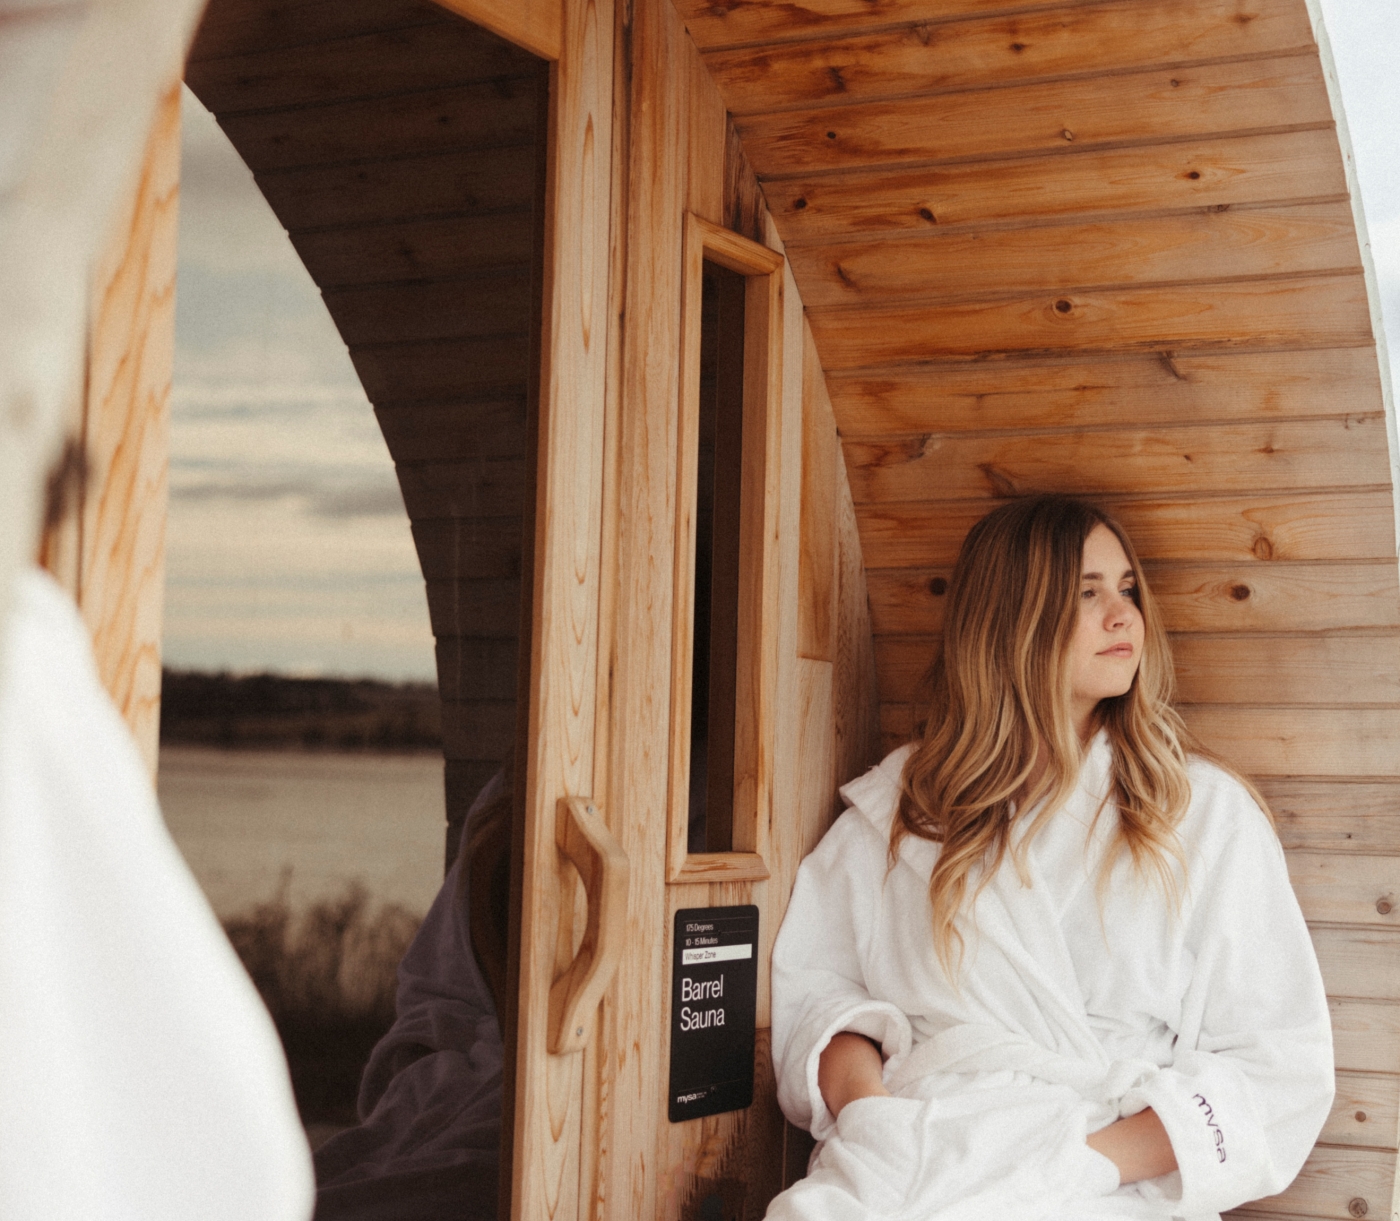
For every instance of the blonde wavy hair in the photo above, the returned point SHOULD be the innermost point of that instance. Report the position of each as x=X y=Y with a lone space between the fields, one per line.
x=999 y=737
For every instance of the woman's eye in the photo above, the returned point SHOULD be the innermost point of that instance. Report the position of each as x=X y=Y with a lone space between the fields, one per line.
x=1086 y=593
x=1130 y=592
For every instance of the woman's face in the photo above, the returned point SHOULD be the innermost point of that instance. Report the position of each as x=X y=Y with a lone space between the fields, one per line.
x=1107 y=645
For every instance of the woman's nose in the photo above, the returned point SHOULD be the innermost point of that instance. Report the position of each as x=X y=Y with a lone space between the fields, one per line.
x=1120 y=610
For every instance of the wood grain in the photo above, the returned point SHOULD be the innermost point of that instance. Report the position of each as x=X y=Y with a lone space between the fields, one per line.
x=944 y=266
x=492 y=114
x=424 y=432
x=1218 y=172
x=1364 y=1111
x=1335 y=816
x=1366 y=1034
x=1134 y=107
x=121 y=558
x=909 y=60
x=440 y=369
x=1162 y=387
x=536 y=25
x=816 y=573
x=1279 y=597
x=410 y=250
x=1324 y=311
x=1305 y=741
x=1235 y=529
x=234 y=30
x=566 y=634
x=496 y=303
x=1293 y=670
x=1343 y=888
x=1331 y=1179
x=753 y=21
x=1296 y=455
x=373 y=63
x=446 y=188
x=1219 y=669
x=474 y=606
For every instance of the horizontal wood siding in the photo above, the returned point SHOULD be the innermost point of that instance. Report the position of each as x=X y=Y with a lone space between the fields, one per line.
x=400 y=148
x=1106 y=248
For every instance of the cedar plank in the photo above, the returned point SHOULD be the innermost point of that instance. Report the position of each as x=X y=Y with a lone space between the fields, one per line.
x=464 y=118
x=1215 y=172
x=1297 y=240
x=375 y=64
x=1277 y=597
x=413 y=249
x=1321 y=311
x=1349 y=451
x=1132 y=107
x=1285 y=526
x=492 y=304
x=926 y=57
x=1157 y=388
x=403 y=189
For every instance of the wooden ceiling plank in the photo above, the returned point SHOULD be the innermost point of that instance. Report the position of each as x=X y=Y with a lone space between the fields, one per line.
x=1234 y=669
x=1325 y=311
x=1198 y=173
x=1235 y=529
x=1324 y=454
x=494 y=114
x=230 y=30
x=1279 y=597
x=379 y=64
x=995 y=51
x=496 y=304
x=438 y=370
x=477 y=488
x=447 y=189
x=1133 y=107
x=425 y=432
x=1156 y=388
x=1292 y=240
x=726 y=23
x=376 y=254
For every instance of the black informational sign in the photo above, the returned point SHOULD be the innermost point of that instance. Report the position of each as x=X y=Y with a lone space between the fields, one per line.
x=714 y=995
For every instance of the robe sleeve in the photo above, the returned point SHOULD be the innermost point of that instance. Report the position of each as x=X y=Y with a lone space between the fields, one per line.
x=818 y=981
x=1251 y=1081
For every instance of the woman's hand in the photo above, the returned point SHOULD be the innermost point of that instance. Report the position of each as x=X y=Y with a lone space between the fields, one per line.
x=1138 y=1146
x=851 y=1067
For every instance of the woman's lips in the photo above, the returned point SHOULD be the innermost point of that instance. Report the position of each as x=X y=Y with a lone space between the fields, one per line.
x=1118 y=650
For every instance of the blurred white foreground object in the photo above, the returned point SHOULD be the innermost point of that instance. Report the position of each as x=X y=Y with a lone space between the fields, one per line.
x=140 y=1076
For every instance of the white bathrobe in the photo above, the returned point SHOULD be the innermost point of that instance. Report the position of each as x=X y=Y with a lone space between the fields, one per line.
x=1077 y=1004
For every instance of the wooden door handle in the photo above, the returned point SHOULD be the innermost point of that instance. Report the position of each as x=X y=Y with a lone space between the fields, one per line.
x=584 y=838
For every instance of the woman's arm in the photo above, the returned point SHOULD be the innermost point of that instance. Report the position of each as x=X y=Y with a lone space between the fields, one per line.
x=850 y=1067
x=1138 y=1146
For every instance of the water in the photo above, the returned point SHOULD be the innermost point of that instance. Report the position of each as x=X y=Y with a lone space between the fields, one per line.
x=241 y=818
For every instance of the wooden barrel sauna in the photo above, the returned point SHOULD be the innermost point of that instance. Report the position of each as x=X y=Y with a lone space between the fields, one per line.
x=1106 y=247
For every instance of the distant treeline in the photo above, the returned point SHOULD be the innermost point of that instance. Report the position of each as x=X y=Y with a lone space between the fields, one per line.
x=272 y=710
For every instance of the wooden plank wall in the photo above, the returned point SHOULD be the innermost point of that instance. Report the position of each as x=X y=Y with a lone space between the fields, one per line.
x=826 y=710
x=400 y=146
x=109 y=549
x=1105 y=247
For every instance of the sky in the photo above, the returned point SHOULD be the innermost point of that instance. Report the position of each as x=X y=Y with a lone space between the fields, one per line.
x=288 y=545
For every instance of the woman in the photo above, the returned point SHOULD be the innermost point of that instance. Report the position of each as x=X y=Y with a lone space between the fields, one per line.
x=1048 y=963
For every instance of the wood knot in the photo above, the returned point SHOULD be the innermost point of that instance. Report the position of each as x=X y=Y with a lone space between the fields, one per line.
x=1358 y=1207
x=1263 y=549
x=1360 y=1116
x=927 y=214
x=831 y=135
x=1240 y=593
x=1383 y=906
x=1063 y=306
x=1194 y=175
x=1018 y=47
x=937 y=586
x=1175 y=83
x=1068 y=135
x=798 y=204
